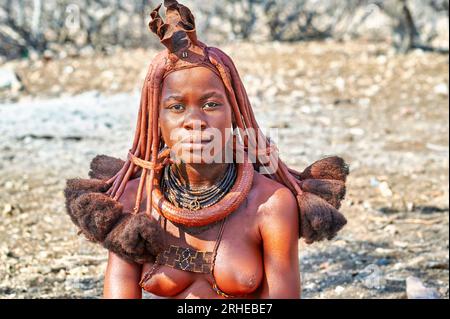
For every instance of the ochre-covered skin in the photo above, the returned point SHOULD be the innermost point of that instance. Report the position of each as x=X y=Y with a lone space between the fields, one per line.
x=114 y=207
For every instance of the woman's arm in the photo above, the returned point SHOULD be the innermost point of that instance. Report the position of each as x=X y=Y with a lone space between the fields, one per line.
x=122 y=279
x=279 y=232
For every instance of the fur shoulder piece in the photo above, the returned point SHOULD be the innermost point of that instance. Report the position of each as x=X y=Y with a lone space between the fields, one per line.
x=323 y=186
x=102 y=219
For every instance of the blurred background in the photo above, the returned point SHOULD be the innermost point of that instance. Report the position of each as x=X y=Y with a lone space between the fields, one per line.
x=365 y=80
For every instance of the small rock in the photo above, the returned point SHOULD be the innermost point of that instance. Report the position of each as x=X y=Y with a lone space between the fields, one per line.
x=7 y=210
x=339 y=290
x=68 y=69
x=352 y=121
x=374 y=182
x=340 y=84
x=48 y=55
x=400 y=244
x=416 y=262
x=383 y=262
x=398 y=266
x=372 y=277
x=324 y=265
x=56 y=89
x=9 y=80
x=356 y=131
x=443 y=291
x=84 y=283
x=87 y=51
x=9 y=185
x=45 y=270
x=384 y=189
x=43 y=254
x=35 y=280
x=415 y=289
x=310 y=286
x=367 y=205
x=305 y=109
x=391 y=230
x=61 y=275
x=441 y=89
x=364 y=102
x=437 y=148
x=384 y=251
x=437 y=265
x=410 y=206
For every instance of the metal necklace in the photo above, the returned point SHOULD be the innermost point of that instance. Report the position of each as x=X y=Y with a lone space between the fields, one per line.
x=194 y=199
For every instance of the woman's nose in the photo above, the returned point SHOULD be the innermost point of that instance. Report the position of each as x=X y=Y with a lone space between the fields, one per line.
x=194 y=121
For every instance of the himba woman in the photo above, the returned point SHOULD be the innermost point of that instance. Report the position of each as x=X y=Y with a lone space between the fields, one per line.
x=180 y=225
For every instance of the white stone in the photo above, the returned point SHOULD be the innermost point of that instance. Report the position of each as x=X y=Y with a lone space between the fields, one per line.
x=385 y=189
x=441 y=89
x=340 y=84
x=356 y=131
x=415 y=289
x=7 y=209
x=339 y=290
x=8 y=79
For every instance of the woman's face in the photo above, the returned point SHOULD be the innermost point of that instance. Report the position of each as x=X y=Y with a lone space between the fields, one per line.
x=195 y=116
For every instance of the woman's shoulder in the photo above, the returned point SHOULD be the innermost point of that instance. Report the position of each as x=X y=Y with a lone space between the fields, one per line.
x=277 y=210
x=275 y=200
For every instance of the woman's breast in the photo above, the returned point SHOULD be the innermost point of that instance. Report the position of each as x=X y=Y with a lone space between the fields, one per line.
x=238 y=271
x=239 y=268
x=166 y=281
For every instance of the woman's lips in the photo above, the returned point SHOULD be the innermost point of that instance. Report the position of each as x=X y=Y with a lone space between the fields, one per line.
x=196 y=144
x=200 y=143
x=197 y=140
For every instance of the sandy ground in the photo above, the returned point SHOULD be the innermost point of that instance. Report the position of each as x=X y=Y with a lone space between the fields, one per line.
x=386 y=114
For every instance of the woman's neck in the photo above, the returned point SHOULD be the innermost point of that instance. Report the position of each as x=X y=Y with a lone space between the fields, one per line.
x=199 y=175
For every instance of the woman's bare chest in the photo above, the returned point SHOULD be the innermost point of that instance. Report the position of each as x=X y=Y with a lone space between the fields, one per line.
x=237 y=263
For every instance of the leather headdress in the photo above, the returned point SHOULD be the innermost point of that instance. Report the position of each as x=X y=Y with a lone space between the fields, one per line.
x=179 y=35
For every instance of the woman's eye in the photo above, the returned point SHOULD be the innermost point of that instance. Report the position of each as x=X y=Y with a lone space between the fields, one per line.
x=211 y=105
x=177 y=107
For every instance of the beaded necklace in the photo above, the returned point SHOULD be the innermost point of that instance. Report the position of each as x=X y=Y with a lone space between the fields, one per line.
x=196 y=198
